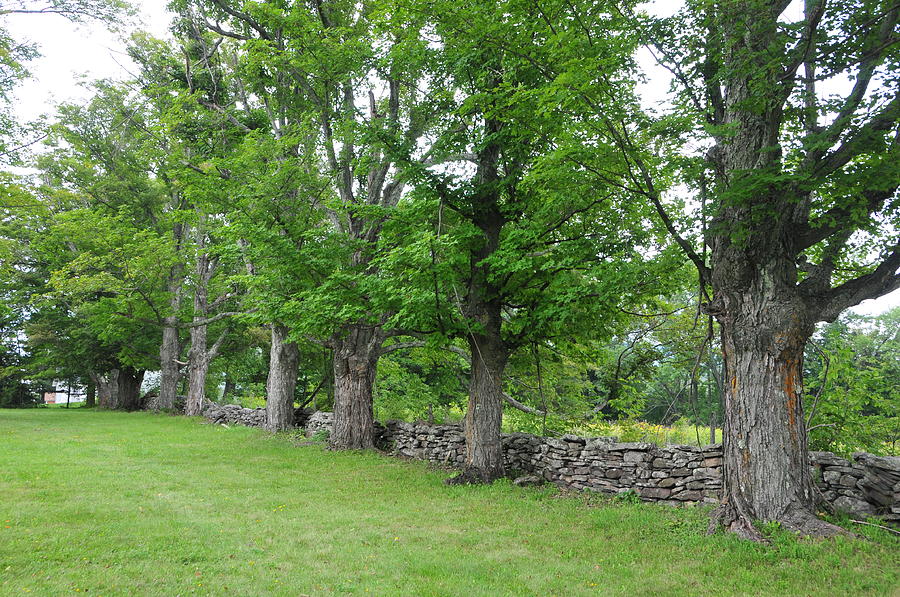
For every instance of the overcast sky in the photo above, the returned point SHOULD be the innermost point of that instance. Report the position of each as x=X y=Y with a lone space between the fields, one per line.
x=73 y=54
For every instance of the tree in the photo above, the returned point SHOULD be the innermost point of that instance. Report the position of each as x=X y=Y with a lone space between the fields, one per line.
x=538 y=236
x=800 y=184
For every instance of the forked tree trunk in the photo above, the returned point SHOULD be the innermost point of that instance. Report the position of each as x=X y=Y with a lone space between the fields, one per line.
x=284 y=359
x=355 y=365
x=766 y=469
x=168 y=357
x=129 y=388
x=200 y=354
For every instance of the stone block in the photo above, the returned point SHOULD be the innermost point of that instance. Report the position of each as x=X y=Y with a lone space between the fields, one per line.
x=635 y=456
x=656 y=493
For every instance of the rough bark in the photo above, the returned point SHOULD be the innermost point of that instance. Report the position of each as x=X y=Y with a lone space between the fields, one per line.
x=765 y=327
x=198 y=366
x=200 y=354
x=284 y=359
x=484 y=451
x=168 y=359
x=129 y=388
x=355 y=361
x=170 y=350
x=108 y=389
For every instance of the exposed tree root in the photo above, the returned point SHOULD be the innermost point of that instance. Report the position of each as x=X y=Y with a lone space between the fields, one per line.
x=808 y=524
x=727 y=518
x=796 y=519
x=473 y=476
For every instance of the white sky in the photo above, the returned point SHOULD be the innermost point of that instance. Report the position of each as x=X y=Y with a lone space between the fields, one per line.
x=81 y=53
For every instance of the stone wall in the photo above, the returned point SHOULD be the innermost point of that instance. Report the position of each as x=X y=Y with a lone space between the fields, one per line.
x=234 y=414
x=867 y=484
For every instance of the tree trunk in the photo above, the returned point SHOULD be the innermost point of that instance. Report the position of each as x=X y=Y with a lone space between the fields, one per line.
x=200 y=356
x=765 y=328
x=484 y=451
x=168 y=356
x=228 y=390
x=170 y=350
x=129 y=388
x=108 y=389
x=284 y=359
x=484 y=309
x=355 y=365
x=198 y=366
x=90 y=393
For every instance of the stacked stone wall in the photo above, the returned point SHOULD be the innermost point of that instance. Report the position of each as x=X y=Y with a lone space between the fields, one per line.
x=671 y=474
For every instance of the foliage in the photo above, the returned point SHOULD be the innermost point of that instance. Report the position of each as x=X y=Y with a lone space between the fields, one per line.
x=851 y=390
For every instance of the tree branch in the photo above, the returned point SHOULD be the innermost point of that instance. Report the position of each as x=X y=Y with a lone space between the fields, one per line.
x=883 y=280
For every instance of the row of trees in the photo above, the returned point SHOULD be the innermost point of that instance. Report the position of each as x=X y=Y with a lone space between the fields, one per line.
x=479 y=181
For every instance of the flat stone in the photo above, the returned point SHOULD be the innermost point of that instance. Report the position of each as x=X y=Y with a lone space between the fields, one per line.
x=656 y=493
x=636 y=456
x=853 y=506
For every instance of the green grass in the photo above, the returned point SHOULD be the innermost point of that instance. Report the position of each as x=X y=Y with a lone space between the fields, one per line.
x=141 y=504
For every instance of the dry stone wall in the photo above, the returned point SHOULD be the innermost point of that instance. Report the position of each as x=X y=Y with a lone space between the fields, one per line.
x=865 y=485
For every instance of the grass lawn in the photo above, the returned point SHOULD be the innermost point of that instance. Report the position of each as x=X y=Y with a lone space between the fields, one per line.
x=141 y=504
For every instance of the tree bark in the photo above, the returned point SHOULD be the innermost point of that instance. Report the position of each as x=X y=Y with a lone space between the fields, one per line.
x=228 y=390
x=129 y=388
x=765 y=317
x=484 y=415
x=355 y=365
x=284 y=359
x=108 y=389
x=168 y=357
x=198 y=366
x=200 y=356
x=170 y=349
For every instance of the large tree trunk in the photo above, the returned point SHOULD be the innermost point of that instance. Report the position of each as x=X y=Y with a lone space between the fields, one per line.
x=765 y=327
x=200 y=355
x=108 y=389
x=129 y=388
x=284 y=359
x=198 y=366
x=355 y=361
x=170 y=350
x=168 y=357
x=484 y=451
